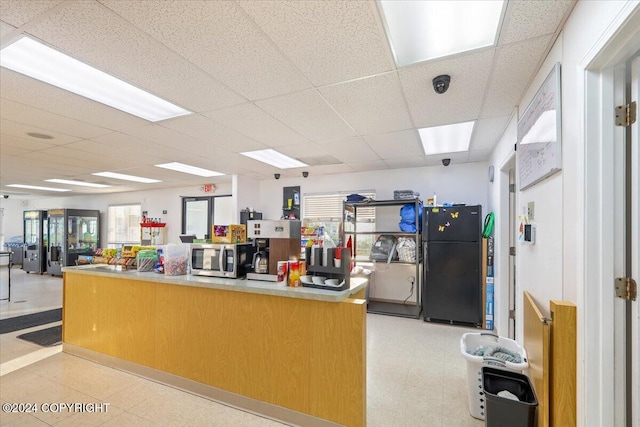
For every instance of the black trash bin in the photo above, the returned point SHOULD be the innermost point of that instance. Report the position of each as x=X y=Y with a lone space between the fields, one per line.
x=504 y=411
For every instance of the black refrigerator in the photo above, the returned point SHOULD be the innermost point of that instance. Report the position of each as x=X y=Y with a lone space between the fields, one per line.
x=452 y=247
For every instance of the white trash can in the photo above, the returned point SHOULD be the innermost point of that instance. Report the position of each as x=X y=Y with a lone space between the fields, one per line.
x=472 y=341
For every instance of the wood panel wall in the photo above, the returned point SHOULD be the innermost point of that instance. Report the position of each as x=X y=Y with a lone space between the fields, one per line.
x=552 y=351
x=305 y=355
x=536 y=343
x=563 y=364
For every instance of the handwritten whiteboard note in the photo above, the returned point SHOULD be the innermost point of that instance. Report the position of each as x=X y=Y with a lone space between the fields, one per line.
x=539 y=133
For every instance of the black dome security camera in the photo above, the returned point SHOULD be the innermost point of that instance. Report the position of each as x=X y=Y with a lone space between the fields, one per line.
x=305 y=174
x=276 y=175
x=6 y=196
x=446 y=162
x=441 y=83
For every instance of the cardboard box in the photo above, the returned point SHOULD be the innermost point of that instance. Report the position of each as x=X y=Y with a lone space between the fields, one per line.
x=234 y=233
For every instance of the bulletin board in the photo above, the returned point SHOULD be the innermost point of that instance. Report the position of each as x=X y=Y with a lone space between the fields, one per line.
x=539 y=151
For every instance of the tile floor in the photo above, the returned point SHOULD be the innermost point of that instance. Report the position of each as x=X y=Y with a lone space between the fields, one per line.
x=415 y=376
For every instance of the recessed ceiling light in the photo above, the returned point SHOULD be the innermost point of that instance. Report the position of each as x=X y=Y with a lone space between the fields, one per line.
x=126 y=177
x=274 y=158
x=422 y=30
x=34 y=59
x=446 y=139
x=35 y=187
x=181 y=167
x=39 y=135
x=80 y=183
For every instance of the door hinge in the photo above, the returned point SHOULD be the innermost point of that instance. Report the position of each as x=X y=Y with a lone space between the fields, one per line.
x=512 y=188
x=512 y=314
x=626 y=288
x=512 y=251
x=626 y=114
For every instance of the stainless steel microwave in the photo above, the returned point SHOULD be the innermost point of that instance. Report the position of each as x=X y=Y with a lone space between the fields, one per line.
x=221 y=259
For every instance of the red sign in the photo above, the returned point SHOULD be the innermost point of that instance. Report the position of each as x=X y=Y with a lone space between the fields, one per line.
x=208 y=188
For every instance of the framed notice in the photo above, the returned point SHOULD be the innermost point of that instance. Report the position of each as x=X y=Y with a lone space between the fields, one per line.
x=539 y=152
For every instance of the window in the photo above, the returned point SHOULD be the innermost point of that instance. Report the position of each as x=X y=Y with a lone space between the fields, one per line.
x=123 y=225
x=327 y=210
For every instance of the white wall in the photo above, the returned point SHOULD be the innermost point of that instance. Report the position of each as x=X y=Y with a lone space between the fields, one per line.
x=499 y=204
x=457 y=183
x=12 y=222
x=152 y=201
x=551 y=268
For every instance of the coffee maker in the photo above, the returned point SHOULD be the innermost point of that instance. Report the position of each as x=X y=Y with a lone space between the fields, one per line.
x=260 y=262
x=274 y=240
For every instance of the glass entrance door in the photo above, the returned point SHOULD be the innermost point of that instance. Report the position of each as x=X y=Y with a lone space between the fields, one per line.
x=56 y=249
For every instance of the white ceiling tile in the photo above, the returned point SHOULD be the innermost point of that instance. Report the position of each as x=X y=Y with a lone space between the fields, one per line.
x=5 y=30
x=160 y=136
x=406 y=162
x=20 y=130
x=461 y=103
x=19 y=12
x=247 y=70
x=395 y=144
x=332 y=169
x=530 y=19
x=25 y=142
x=370 y=105
x=349 y=150
x=330 y=41
x=25 y=90
x=308 y=114
x=85 y=31
x=487 y=132
x=303 y=150
x=253 y=122
x=516 y=64
x=221 y=39
x=207 y=130
x=368 y=166
x=53 y=122
x=12 y=150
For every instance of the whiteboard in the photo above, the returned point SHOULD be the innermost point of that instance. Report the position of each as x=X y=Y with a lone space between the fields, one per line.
x=539 y=150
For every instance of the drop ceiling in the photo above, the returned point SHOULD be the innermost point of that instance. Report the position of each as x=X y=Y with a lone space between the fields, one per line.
x=312 y=79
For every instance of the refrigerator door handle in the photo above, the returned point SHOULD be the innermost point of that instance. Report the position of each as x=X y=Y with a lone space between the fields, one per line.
x=425 y=254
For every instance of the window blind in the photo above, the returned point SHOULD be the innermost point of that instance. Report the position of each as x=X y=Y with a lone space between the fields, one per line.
x=123 y=224
x=328 y=207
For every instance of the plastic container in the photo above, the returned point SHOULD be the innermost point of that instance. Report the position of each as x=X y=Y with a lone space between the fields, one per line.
x=502 y=409
x=470 y=342
x=146 y=260
x=176 y=260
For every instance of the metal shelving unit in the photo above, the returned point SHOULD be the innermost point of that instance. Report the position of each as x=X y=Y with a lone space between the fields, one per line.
x=401 y=308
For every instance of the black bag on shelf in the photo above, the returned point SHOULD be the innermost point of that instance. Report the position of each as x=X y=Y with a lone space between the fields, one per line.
x=384 y=248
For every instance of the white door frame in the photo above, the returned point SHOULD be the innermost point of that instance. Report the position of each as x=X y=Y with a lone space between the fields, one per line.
x=595 y=74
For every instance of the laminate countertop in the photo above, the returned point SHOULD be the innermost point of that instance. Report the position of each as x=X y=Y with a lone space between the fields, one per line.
x=227 y=284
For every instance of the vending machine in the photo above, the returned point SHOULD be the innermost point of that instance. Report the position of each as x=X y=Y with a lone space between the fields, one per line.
x=34 y=258
x=72 y=232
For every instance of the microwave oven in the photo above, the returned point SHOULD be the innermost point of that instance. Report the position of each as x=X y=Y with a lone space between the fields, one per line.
x=221 y=259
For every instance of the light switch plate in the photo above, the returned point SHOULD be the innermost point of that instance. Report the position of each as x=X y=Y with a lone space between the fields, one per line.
x=530 y=210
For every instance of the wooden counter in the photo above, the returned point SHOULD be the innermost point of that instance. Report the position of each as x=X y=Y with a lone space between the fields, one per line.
x=293 y=354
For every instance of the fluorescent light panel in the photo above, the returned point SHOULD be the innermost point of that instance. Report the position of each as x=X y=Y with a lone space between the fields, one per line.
x=31 y=58
x=35 y=187
x=80 y=183
x=274 y=158
x=193 y=170
x=446 y=139
x=126 y=177
x=423 y=30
